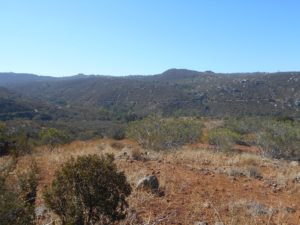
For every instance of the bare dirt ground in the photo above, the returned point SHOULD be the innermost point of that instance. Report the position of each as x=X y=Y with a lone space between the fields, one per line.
x=199 y=184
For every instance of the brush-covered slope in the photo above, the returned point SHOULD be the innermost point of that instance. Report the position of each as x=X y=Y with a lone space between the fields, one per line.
x=175 y=92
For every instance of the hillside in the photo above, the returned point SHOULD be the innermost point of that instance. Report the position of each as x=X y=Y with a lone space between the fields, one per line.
x=88 y=106
x=14 y=79
x=172 y=92
x=13 y=105
x=230 y=170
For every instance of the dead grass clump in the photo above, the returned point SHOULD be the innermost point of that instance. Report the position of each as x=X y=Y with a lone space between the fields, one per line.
x=137 y=154
x=101 y=146
x=250 y=159
x=245 y=208
x=117 y=145
x=236 y=172
x=253 y=172
x=246 y=159
x=258 y=209
x=296 y=177
x=244 y=172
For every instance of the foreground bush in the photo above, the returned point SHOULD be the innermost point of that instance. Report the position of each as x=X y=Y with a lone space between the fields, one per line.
x=17 y=205
x=88 y=190
x=164 y=133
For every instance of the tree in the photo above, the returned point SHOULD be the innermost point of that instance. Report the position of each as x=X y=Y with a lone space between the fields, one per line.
x=88 y=190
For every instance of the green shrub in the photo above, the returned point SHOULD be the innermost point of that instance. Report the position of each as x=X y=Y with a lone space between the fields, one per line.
x=88 y=190
x=246 y=125
x=165 y=133
x=13 y=143
x=276 y=137
x=3 y=139
x=2 y=131
x=53 y=137
x=116 y=132
x=20 y=144
x=104 y=114
x=117 y=113
x=280 y=139
x=17 y=205
x=223 y=138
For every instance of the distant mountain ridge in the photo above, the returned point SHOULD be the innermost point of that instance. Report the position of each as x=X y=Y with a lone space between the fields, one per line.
x=175 y=91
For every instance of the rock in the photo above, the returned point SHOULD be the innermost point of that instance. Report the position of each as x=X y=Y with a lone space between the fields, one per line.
x=200 y=223
x=148 y=183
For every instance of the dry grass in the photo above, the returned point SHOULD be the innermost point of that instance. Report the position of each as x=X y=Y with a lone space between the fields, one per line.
x=195 y=187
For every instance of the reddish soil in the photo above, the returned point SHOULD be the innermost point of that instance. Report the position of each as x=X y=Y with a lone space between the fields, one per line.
x=193 y=189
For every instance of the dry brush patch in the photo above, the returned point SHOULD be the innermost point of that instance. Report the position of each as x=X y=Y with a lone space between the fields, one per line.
x=195 y=187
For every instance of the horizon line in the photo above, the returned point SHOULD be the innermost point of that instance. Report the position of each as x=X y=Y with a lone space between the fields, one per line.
x=152 y=74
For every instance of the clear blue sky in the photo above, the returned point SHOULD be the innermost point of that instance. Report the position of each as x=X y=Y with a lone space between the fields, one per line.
x=121 y=37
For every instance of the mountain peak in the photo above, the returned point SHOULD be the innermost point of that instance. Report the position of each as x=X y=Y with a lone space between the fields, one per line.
x=180 y=74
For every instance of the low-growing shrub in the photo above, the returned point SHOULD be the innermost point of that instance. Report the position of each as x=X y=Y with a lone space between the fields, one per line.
x=165 y=133
x=276 y=137
x=223 y=138
x=137 y=154
x=53 y=137
x=13 y=143
x=4 y=143
x=17 y=204
x=245 y=125
x=253 y=172
x=117 y=145
x=280 y=139
x=20 y=144
x=88 y=190
x=116 y=132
